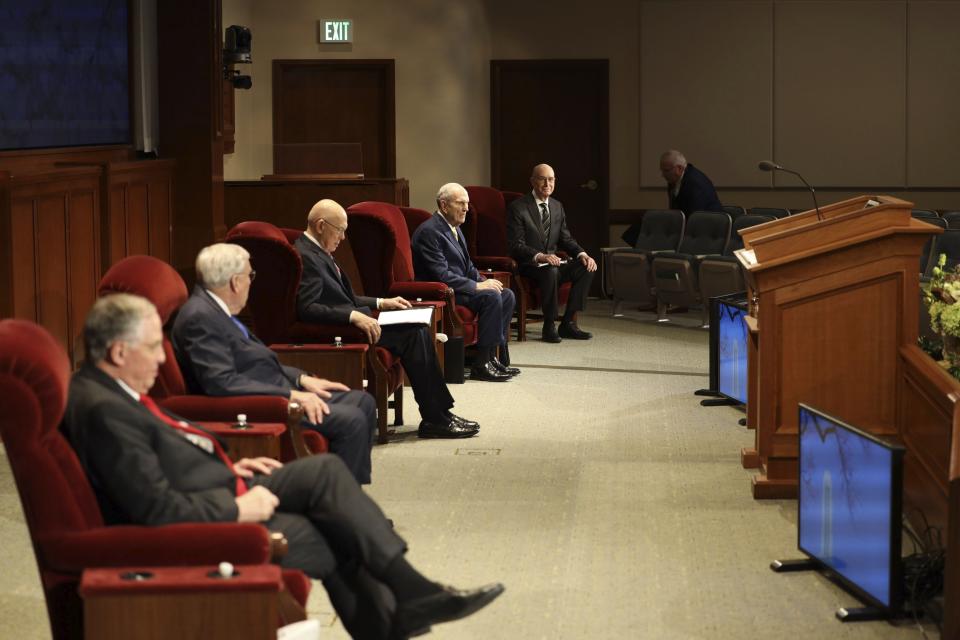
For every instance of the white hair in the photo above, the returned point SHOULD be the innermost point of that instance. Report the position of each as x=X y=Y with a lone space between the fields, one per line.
x=113 y=318
x=675 y=158
x=219 y=262
x=449 y=192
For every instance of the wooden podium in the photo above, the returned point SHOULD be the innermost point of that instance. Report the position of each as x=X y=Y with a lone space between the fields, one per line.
x=832 y=301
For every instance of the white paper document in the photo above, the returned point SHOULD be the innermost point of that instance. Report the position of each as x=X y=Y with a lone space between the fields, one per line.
x=417 y=315
x=746 y=256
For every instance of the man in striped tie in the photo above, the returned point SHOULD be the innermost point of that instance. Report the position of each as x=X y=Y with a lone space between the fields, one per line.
x=536 y=230
x=150 y=467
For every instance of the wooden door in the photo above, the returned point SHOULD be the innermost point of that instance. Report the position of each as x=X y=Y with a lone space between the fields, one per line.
x=555 y=111
x=337 y=101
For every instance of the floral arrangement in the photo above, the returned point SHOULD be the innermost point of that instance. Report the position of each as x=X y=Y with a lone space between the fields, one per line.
x=942 y=296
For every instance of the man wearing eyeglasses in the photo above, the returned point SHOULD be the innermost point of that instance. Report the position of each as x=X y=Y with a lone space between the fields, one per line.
x=219 y=356
x=326 y=296
x=536 y=230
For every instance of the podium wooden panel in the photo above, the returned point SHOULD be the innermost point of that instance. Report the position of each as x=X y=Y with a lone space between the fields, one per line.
x=834 y=300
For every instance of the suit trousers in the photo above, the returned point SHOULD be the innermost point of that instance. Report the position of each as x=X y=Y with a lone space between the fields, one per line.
x=414 y=345
x=337 y=534
x=549 y=279
x=494 y=312
x=350 y=428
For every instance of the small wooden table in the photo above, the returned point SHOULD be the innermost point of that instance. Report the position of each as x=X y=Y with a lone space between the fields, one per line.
x=346 y=363
x=159 y=603
x=259 y=439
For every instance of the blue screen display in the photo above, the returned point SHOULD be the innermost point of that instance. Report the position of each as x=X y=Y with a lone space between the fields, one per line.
x=845 y=503
x=732 y=352
x=63 y=73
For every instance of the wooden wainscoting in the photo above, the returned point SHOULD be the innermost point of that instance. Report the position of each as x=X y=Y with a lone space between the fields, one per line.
x=50 y=247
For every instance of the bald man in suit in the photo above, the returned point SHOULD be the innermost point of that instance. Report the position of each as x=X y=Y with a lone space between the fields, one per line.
x=536 y=230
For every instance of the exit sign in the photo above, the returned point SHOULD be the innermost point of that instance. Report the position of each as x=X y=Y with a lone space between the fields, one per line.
x=336 y=31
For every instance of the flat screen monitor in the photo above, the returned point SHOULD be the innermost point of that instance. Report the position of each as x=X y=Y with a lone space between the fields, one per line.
x=732 y=349
x=65 y=73
x=849 y=506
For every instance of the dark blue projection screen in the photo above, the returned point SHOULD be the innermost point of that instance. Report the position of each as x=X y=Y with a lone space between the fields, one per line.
x=64 y=73
x=849 y=505
x=732 y=351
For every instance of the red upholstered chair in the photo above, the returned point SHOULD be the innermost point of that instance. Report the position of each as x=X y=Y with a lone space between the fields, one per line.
x=60 y=508
x=159 y=283
x=490 y=206
x=273 y=305
x=386 y=265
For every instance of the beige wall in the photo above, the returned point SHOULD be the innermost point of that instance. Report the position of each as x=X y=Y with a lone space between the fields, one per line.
x=859 y=95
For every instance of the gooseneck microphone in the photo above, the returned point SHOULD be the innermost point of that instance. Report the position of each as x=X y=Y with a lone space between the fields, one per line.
x=766 y=165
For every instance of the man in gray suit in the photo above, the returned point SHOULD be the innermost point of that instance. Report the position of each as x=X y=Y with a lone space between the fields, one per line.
x=536 y=229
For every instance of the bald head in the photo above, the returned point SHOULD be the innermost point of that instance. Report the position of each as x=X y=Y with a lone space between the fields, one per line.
x=543 y=180
x=327 y=224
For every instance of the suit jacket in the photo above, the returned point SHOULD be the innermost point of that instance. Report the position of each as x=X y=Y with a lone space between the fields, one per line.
x=696 y=193
x=218 y=360
x=324 y=295
x=439 y=257
x=525 y=233
x=142 y=470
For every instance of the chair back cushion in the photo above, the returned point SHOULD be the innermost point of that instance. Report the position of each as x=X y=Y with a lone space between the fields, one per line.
x=34 y=381
x=414 y=217
x=383 y=255
x=490 y=208
x=706 y=233
x=742 y=222
x=660 y=230
x=273 y=295
x=159 y=283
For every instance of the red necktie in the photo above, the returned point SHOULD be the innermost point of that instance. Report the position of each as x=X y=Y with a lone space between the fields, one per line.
x=183 y=427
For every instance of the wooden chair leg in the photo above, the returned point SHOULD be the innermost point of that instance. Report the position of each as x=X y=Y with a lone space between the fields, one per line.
x=522 y=324
x=398 y=407
x=381 y=397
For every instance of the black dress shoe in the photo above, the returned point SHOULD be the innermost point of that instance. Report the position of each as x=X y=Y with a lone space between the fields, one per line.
x=487 y=372
x=550 y=334
x=467 y=423
x=445 y=428
x=570 y=330
x=415 y=616
x=502 y=368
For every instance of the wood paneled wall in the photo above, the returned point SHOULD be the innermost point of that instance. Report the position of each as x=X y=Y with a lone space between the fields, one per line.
x=138 y=210
x=50 y=235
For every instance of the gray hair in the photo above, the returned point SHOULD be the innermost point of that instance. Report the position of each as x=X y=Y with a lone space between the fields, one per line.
x=449 y=191
x=675 y=157
x=114 y=317
x=219 y=262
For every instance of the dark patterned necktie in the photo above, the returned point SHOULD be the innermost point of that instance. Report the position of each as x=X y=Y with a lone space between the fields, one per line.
x=545 y=221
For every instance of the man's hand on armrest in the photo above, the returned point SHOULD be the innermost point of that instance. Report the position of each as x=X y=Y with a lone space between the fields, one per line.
x=256 y=505
x=313 y=407
x=369 y=326
x=490 y=283
x=395 y=303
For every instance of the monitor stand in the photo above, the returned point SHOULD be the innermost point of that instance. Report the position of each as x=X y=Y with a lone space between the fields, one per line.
x=844 y=614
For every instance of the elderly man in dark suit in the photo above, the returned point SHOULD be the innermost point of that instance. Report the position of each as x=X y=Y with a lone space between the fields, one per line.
x=440 y=255
x=326 y=296
x=688 y=188
x=536 y=229
x=149 y=467
x=219 y=356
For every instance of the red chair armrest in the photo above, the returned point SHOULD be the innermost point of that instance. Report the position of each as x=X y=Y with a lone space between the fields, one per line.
x=497 y=263
x=415 y=289
x=225 y=409
x=170 y=545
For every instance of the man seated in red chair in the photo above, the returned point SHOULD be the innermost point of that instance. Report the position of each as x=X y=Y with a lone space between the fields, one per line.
x=149 y=467
x=219 y=356
x=536 y=229
x=326 y=296
x=440 y=254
